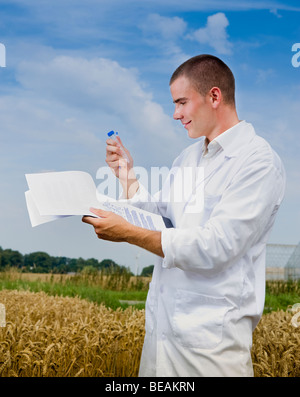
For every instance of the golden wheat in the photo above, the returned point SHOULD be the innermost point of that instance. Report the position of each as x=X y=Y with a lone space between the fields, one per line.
x=68 y=337
x=276 y=346
x=275 y=287
x=56 y=336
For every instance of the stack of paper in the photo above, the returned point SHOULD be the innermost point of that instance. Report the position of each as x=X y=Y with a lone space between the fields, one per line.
x=54 y=195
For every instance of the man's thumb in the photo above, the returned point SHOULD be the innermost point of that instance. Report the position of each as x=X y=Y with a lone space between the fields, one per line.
x=99 y=212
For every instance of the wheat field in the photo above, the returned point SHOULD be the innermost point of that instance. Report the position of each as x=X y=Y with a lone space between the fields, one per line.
x=276 y=346
x=61 y=336
x=51 y=336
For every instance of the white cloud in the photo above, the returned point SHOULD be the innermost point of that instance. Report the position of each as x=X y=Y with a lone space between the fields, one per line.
x=164 y=34
x=80 y=82
x=275 y=12
x=265 y=74
x=169 y=34
x=214 y=34
x=168 y=28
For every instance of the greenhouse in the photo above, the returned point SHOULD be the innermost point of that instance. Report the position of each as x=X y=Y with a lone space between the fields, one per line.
x=292 y=268
x=277 y=257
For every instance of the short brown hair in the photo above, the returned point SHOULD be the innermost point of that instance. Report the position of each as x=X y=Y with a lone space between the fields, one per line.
x=205 y=72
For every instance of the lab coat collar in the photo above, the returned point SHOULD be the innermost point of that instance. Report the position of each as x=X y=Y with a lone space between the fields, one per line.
x=235 y=138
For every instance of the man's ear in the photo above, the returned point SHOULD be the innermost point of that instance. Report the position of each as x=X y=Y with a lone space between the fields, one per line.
x=215 y=96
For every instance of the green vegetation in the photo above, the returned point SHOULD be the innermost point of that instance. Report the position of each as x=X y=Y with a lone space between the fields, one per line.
x=281 y=294
x=111 y=290
x=98 y=281
x=114 y=288
x=147 y=271
x=41 y=262
x=103 y=281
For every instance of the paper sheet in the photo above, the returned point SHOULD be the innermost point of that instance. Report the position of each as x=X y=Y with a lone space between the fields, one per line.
x=54 y=195
x=63 y=193
x=34 y=215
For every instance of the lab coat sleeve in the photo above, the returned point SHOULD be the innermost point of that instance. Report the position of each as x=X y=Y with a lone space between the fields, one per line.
x=236 y=222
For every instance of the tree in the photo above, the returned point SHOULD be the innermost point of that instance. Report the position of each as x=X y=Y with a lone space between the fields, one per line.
x=147 y=271
x=38 y=262
x=72 y=265
x=41 y=262
x=10 y=257
x=108 y=265
x=92 y=262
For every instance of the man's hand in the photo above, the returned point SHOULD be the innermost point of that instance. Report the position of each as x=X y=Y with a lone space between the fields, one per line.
x=109 y=226
x=114 y=159
x=120 y=167
x=113 y=227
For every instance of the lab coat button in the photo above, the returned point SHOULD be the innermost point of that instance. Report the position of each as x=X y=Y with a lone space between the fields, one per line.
x=161 y=289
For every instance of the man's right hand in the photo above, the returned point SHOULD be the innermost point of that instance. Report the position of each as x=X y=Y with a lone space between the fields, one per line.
x=121 y=168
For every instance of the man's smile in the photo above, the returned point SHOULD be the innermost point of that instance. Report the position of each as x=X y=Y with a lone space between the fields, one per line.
x=187 y=123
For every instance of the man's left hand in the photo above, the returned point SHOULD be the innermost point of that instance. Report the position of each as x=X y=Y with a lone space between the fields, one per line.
x=109 y=226
x=113 y=227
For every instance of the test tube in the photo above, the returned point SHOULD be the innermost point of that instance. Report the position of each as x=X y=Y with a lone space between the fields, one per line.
x=113 y=135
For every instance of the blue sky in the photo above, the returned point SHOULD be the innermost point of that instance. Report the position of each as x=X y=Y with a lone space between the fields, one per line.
x=75 y=70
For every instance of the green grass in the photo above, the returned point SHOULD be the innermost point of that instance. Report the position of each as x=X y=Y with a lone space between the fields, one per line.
x=281 y=301
x=280 y=295
x=83 y=290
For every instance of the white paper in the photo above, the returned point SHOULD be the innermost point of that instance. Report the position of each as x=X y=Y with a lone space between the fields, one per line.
x=63 y=193
x=53 y=195
x=34 y=215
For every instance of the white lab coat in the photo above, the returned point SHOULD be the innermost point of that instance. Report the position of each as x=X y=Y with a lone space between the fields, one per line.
x=207 y=293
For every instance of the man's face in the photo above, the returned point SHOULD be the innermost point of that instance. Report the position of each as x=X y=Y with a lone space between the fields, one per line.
x=191 y=108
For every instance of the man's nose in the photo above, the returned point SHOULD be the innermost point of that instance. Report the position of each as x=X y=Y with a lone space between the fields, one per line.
x=177 y=115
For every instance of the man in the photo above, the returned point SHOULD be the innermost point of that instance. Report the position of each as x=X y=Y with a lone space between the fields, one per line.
x=207 y=289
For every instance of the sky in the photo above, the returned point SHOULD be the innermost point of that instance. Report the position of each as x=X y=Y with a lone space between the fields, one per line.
x=75 y=70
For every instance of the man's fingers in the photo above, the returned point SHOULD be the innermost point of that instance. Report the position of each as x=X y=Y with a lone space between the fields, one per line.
x=113 y=150
x=115 y=164
x=99 y=212
x=89 y=219
x=93 y=220
x=112 y=146
x=111 y=142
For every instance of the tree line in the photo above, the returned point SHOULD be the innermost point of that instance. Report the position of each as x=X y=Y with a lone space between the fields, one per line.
x=41 y=262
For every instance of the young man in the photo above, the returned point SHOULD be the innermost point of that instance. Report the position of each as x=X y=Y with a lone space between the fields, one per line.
x=207 y=289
